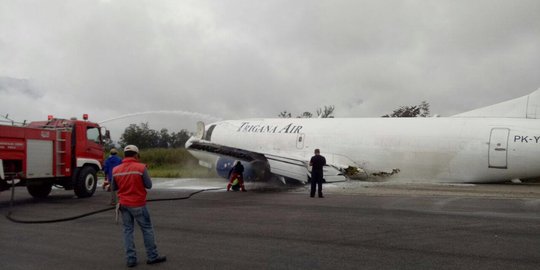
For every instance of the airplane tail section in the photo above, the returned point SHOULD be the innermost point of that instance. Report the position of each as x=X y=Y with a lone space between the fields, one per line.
x=523 y=107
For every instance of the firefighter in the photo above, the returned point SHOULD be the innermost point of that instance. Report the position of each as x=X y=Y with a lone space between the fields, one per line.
x=236 y=177
x=112 y=161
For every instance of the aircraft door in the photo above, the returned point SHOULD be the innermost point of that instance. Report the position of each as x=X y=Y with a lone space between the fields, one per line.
x=498 y=148
x=300 y=140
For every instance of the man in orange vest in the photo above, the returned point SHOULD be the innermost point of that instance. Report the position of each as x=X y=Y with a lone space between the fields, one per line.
x=130 y=180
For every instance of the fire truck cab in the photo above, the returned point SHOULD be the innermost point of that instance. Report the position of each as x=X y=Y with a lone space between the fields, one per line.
x=59 y=152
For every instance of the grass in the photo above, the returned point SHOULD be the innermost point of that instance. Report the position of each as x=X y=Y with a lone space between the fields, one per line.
x=179 y=171
x=173 y=163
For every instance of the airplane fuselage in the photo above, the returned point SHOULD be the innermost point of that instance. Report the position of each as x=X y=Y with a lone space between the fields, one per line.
x=417 y=149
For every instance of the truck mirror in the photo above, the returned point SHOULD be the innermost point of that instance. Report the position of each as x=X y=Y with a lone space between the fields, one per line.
x=106 y=135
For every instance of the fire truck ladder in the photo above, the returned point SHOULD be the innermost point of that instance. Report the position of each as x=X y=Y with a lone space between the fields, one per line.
x=60 y=152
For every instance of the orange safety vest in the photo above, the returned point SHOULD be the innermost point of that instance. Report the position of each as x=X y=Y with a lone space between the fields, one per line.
x=128 y=178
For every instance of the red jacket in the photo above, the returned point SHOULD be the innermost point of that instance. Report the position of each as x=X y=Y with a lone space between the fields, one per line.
x=129 y=183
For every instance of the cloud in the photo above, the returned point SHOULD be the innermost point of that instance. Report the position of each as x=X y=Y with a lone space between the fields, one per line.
x=12 y=86
x=242 y=59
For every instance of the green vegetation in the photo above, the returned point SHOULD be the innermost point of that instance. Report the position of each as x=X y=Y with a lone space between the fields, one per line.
x=164 y=153
x=173 y=163
x=421 y=110
x=327 y=112
x=144 y=137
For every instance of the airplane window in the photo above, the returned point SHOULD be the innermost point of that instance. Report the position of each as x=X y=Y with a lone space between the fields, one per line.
x=208 y=136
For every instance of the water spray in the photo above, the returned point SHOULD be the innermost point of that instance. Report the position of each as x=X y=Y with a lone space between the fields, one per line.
x=186 y=113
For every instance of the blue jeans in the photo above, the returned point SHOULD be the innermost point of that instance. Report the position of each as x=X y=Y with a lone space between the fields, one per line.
x=141 y=215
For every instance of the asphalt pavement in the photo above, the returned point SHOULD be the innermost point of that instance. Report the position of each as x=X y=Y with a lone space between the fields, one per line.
x=356 y=226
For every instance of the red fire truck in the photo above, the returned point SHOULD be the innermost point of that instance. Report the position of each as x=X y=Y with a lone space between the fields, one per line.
x=60 y=152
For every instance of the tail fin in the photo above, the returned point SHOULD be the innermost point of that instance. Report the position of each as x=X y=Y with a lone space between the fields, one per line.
x=523 y=107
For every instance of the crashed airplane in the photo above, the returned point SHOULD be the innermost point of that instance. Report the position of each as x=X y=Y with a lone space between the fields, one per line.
x=497 y=143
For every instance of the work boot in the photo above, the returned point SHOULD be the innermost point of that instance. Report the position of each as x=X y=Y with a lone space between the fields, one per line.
x=159 y=259
x=131 y=264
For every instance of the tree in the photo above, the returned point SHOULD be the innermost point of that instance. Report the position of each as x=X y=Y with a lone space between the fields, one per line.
x=131 y=135
x=424 y=109
x=164 y=138
x=306 y=115
x=179 y=139
x=421 y=110
x=326 y=112
x=284 y=114
x=322 y=113
x=142 y=136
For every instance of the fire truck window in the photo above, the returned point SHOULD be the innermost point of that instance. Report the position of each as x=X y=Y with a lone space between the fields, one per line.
x=92 y=134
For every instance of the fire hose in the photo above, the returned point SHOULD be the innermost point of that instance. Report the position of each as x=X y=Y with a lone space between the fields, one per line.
x=12 y=219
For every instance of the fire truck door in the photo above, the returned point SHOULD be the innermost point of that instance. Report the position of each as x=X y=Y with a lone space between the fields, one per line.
x=92 y=145
x=88 y=143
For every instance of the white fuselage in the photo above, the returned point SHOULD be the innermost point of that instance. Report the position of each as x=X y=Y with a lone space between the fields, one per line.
x=417 y=149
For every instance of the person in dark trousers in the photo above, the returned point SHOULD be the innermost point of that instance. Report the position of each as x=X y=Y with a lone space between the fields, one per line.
x=130 y=180
x=317 y=162
x=236 y=177
x=112 y=161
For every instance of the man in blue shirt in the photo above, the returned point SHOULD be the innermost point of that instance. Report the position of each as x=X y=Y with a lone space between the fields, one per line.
x=112 y=161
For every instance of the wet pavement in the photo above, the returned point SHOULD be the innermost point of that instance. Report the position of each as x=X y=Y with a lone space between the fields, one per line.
x=358 y=225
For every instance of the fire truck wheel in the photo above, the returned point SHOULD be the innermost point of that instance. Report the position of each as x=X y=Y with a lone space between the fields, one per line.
x=39 y=190
x=86 y=182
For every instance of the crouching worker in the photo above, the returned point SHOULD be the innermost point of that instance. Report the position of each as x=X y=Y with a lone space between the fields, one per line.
x=130 y=180
x=236 y=177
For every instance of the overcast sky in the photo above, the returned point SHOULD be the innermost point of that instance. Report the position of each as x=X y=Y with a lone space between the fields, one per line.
x=233 y=59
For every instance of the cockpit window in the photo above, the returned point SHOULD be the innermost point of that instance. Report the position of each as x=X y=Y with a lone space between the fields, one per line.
x=208 y=136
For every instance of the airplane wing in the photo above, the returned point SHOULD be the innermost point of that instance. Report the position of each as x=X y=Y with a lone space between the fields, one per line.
x=258 y=166
x=300 y=170
x=288 y=167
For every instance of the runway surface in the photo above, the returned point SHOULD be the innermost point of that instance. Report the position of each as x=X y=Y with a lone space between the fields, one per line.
x=358 y=225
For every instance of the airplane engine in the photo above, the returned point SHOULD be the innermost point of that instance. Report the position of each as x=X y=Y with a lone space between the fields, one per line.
x=254 y=171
